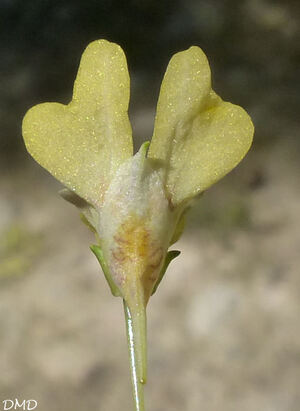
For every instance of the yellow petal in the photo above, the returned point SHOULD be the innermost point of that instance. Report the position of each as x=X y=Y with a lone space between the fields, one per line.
x=197 y=137
x=84 y=143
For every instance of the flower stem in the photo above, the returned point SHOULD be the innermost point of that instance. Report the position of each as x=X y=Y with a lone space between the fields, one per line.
x=137 y=346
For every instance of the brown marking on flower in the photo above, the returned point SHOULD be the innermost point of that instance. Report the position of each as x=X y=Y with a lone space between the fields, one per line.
x=156 y=257
x=119 y=255
x=136 y=253
x=120 y=240
x=132 y=240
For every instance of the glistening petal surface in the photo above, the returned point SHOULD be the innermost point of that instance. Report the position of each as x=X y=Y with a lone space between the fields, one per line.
x=197 y=137
x=84 y=143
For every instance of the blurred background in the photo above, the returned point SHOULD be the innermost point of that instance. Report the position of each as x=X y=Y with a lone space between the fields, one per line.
x=224 y=326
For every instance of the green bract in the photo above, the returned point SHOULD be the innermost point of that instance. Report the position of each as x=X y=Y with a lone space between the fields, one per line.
x=136 y=204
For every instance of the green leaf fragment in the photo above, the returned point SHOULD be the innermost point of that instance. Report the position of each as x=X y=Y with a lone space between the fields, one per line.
x=179 y=228
x=88 y=214
x=169 y=257
x=99 y=255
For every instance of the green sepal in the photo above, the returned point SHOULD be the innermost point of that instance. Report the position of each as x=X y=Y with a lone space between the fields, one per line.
x=169 y=257
x=73 y=198
x=88 y=214
x=87 y=223
x=143 y=150
x=99 y=255
x=144 y=147
x=179 y=228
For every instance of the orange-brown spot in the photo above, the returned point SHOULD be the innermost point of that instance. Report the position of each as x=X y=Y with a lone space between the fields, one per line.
x=156 y=257
x=137 y=253
x=132 y=239
x=119 y=255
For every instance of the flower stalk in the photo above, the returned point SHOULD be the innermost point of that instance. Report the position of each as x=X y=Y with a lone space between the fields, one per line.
x=137 y=347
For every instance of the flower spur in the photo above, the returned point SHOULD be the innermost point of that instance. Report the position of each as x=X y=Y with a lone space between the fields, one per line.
x=136 y=204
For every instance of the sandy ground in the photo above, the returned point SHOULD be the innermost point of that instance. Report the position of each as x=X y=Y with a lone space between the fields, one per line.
x=223 y=327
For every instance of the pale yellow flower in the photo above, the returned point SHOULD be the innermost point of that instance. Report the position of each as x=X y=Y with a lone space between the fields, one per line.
x=135 y=203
